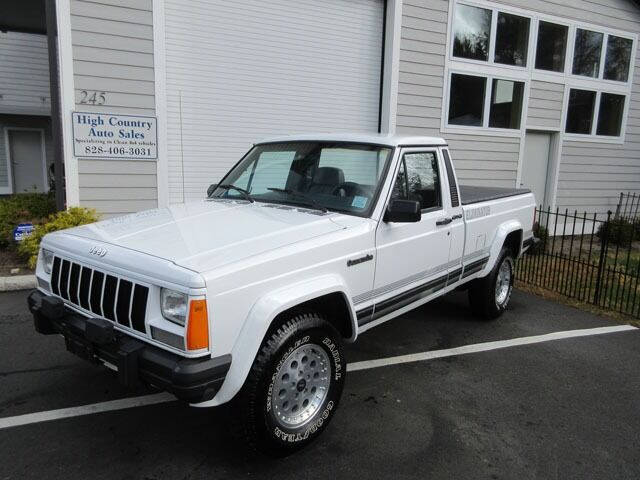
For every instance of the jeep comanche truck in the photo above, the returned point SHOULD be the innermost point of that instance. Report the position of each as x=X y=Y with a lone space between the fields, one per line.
x=248 y=295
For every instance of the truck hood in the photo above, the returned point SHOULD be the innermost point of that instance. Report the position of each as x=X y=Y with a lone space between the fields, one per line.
x=205 y=235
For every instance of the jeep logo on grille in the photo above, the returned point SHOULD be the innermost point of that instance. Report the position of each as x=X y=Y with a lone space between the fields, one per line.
x=98 y=251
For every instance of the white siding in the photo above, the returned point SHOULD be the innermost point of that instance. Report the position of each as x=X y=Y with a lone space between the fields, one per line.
x=113 y=53
x=545 y=104
x=591 y=175
x=479 y=159
x=24 y=74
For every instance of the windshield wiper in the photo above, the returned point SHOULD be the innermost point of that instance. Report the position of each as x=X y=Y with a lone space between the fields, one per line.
x=244 y=192
x=308 y=201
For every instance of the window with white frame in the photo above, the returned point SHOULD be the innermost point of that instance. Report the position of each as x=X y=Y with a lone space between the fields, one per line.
x=476 y=38
x=471 y=32
x=597 y=113
x=618 y=58
x=589 y=47
x=587 y=51
x=498 y=37
x=495 y=51
x=512 y=40
x=485 y=101
x=551 y=46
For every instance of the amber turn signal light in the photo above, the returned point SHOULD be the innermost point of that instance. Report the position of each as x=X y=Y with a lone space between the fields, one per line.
x=198 y=326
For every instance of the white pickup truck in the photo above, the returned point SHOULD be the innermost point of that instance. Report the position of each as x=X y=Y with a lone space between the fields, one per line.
x=248 y=295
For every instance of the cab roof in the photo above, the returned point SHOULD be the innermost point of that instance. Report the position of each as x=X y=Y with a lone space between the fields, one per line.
x=370 y=138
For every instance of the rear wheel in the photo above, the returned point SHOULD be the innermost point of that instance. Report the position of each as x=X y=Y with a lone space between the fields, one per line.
x=490 y=295
x=293 y=388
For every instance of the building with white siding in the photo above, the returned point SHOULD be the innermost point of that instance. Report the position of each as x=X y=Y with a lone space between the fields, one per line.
x=536 y=93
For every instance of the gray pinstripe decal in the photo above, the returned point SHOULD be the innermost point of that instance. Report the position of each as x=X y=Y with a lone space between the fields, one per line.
x=363 y=297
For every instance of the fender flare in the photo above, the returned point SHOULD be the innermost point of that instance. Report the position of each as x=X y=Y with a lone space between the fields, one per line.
x=260 y=318
x=501 y=234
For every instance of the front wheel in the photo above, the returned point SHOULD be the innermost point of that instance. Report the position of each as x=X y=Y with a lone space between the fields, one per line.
x=293 y=388
x=489 y=296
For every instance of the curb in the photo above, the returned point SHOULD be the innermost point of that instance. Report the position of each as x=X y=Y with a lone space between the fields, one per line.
x=17 y=282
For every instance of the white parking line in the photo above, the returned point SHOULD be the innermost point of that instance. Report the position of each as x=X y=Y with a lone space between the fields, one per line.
x=85 y=410
x=125 y=403
x=484 y=347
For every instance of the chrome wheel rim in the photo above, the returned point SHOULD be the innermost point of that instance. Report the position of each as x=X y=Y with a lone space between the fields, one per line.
x=301 y=385
x=503 y=282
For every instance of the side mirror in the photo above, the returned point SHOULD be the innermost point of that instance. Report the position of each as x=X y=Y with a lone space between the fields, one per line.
x=403 y=211
x=211 y=189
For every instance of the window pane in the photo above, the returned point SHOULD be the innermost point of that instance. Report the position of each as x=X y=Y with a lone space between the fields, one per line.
x=552 y=46
x=418 y=179
x=512 y=40
x=271 y=170
x=586 y=58
x=506 y=104
x=466 y=101
x=616 y=64
x=471 y=31
x=580 y=111
x=610 y=115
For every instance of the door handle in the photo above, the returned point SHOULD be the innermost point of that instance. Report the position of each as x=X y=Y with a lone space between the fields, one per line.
x=444 y=221
x=456 y=217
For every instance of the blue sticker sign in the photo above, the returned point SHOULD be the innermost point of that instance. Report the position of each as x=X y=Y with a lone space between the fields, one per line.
x=22 y=231
x=359 y=202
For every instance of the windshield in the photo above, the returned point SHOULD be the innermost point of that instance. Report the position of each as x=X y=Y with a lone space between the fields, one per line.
x=342 y=177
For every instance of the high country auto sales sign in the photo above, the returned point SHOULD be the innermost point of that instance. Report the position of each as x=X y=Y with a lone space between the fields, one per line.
x=107 y=135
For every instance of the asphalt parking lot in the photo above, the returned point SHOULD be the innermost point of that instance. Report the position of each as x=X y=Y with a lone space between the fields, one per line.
x=564 y=409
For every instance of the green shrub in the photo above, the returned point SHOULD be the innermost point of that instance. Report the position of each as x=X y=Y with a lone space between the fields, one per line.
x=73 y=217
x=620 y=231
x=23 y=207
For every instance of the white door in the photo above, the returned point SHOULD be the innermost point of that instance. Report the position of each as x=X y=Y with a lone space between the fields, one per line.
x=412 y=258
x=454 y=212
x=535 y=164
x=25 y=155
x=237 y=72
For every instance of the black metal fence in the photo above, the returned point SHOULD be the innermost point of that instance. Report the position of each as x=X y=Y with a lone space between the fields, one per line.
x=628 y=206
x=591 y=258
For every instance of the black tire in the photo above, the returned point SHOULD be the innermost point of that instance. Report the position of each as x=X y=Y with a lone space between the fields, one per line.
x=482 y=292
x=254 y=412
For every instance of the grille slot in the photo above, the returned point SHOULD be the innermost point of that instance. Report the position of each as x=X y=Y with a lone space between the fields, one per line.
x=105 y=295
x=138 y=307
x=85 y=283
x=96 y=292
x=124 y=302
x=64 y=279
x=74 y=283
x=55 y=276
x=109 y=298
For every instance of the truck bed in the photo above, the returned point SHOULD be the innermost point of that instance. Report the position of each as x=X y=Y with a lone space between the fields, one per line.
x=471 y=194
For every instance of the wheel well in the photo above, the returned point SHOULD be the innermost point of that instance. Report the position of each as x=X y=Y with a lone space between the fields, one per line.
x=513 y=241
x=333 y=307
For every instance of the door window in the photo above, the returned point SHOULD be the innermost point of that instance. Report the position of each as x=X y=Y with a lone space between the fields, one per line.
x=418 y=179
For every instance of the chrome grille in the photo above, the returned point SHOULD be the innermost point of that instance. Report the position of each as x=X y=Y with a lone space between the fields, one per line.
x=105 y=295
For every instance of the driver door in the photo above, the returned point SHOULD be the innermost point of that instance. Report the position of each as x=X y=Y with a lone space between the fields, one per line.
x=411 y=260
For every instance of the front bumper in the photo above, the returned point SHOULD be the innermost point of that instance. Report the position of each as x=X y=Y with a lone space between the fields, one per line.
x=191 y=379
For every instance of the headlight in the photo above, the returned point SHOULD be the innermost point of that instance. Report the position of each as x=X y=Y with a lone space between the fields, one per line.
x=47 y=260
x=174 y=306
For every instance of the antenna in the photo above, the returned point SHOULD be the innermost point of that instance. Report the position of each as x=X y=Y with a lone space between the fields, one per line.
x=181 y=147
